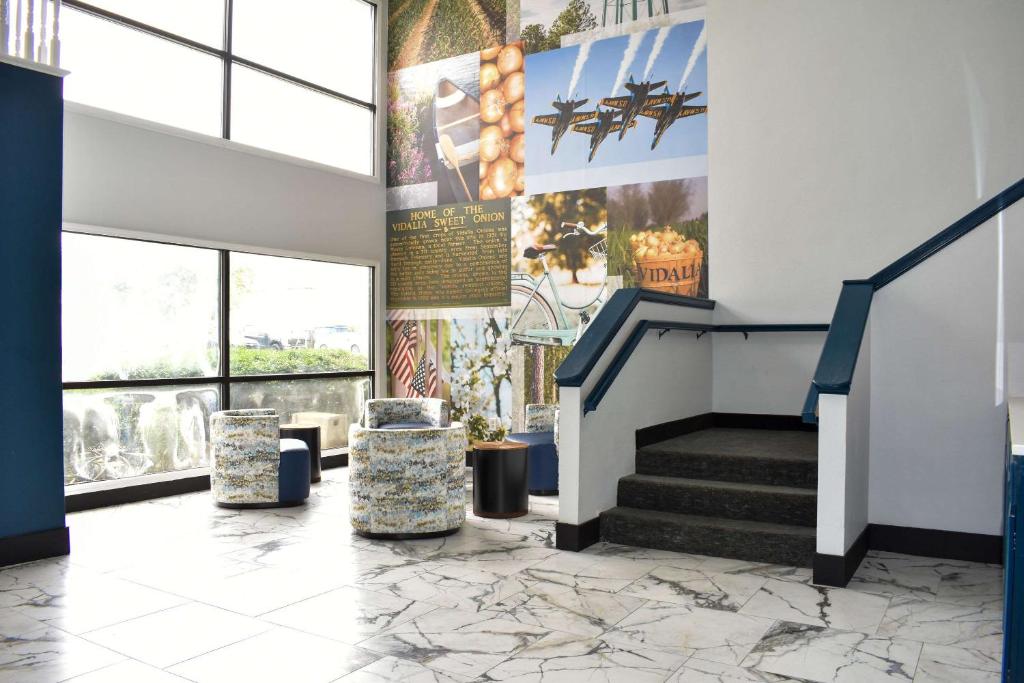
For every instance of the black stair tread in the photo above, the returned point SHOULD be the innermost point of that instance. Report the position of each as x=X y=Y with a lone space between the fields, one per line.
x=725 y=524
x=721 y=485
x=772 y=444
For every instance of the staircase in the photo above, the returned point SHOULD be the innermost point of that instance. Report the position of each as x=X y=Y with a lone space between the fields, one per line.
x=749 y=494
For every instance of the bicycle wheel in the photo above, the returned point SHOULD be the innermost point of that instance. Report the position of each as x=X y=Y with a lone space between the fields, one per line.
x=537 y=312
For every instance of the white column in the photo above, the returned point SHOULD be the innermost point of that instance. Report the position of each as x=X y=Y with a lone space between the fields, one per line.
x=570 y=417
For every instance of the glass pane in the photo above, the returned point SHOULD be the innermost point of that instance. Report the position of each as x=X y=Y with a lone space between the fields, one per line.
x=199 y=20
x=114 y=434
x=137 y=310
x=327 y=42
x=332 y=404
x=273 y=114
x=292 y=315
x=127 y=71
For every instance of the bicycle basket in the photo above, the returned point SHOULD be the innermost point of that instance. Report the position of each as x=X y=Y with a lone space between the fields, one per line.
x=600 y=251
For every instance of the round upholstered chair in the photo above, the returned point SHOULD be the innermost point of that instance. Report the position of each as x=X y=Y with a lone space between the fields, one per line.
x=407 y=470
x=251 y=466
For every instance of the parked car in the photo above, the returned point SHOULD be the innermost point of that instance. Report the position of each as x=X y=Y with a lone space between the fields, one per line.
x=336 y=337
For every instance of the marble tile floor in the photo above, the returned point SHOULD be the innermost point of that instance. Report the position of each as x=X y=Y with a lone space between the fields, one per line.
x=179 y=590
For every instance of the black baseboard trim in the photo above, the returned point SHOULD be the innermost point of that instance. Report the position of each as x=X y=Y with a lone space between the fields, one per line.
x=576 y=537
x=669 y=430
x=329 y=462
x=35 y=546
x=759 y=421
x=837 y=570
x=947 y=545
x=77 y=502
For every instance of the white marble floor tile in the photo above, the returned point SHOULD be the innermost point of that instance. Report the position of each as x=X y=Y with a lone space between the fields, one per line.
x=452 y=585
x=703 y=671
x=978 y=580
x=456 y=641
x=348 y=614
x=14 y=624
x=940 y=623
x=177 y=634
x=714 y=635
x=84 y=603
x=128 y=671
x=561 y=657
x=896 y=576
x=944 y=664
x=651 y=556
x=698 y=587
x=557 y=607
x=50 y=655
x=390 y=669
x=280 y=654
x=825 y=655
x=590 y=572
x=817 y=605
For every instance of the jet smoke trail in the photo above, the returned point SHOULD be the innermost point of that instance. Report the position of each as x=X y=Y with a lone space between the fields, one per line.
x=627 y=60
x=698 y=48
x=581 y=59
x=659 y=40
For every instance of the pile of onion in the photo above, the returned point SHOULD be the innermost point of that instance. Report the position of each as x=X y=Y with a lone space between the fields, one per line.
x=502 y=121
x=651 y=244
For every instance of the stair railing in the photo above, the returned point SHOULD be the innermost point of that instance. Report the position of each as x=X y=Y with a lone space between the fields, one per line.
x=838 y=360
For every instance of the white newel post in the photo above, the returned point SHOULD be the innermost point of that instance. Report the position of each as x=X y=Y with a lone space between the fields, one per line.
x=42 y=53
x=55 y=35
x=832 y=421
x=570 y=418
x=30 y=36
x=5 y=25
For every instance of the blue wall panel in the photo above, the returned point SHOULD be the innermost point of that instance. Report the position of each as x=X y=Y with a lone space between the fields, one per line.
x=31 y=442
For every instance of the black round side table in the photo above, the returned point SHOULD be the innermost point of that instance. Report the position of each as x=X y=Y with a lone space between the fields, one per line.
x=500 y=480
x=310 y=435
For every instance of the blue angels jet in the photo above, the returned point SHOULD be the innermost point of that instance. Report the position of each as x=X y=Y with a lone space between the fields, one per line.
x=563 y=120
x=599 y=130
x=666 y=115
x=632 y=104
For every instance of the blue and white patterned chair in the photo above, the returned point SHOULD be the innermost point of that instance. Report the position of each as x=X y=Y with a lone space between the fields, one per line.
x=251 y=466
x=541 y=437
x=407 y=470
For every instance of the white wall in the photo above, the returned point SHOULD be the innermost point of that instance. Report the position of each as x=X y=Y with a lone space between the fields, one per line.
x=842 y=134
x=665 y=379
x=768 y=373
x=938 y=420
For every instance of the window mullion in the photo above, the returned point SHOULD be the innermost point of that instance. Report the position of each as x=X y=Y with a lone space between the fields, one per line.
x=229 y=10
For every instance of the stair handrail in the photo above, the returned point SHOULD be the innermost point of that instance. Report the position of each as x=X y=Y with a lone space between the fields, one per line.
x=838 y=360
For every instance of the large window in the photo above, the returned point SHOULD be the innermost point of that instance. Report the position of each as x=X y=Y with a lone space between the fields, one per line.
x=295 y=78
x=156 y=337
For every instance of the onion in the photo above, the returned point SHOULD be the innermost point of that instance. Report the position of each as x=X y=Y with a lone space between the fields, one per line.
x=502 y=177
x=506 y=126
x=492 y=143
x=514 y=86
x=490 y=53
x=517 y=150
x=520 y=179
x=492 y=106
x=489 y=76
x=486 y=192
x=510 y=59
x=483 y=169
x=517 y=116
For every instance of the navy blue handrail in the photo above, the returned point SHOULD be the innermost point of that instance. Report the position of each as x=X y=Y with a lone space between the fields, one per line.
x=642 y=327
x=581 y=360
x=838 y=360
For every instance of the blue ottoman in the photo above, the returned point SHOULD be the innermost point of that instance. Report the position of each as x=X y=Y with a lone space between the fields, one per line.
x=542 y=461
x=293 y=473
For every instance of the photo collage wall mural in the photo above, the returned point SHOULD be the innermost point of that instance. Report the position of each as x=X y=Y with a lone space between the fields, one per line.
x=540 y=155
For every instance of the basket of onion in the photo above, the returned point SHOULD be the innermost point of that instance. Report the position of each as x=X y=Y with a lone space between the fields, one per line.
x=666 y=261
x=502 y=122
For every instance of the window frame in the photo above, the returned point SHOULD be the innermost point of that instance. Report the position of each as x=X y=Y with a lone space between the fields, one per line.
x=223 y=379
x=229 y=59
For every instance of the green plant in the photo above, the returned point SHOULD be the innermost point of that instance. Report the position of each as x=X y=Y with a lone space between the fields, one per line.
x=270 y=362
x=478 y=427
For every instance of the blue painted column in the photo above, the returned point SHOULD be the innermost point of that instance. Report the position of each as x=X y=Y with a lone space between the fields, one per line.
x=31 y=432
